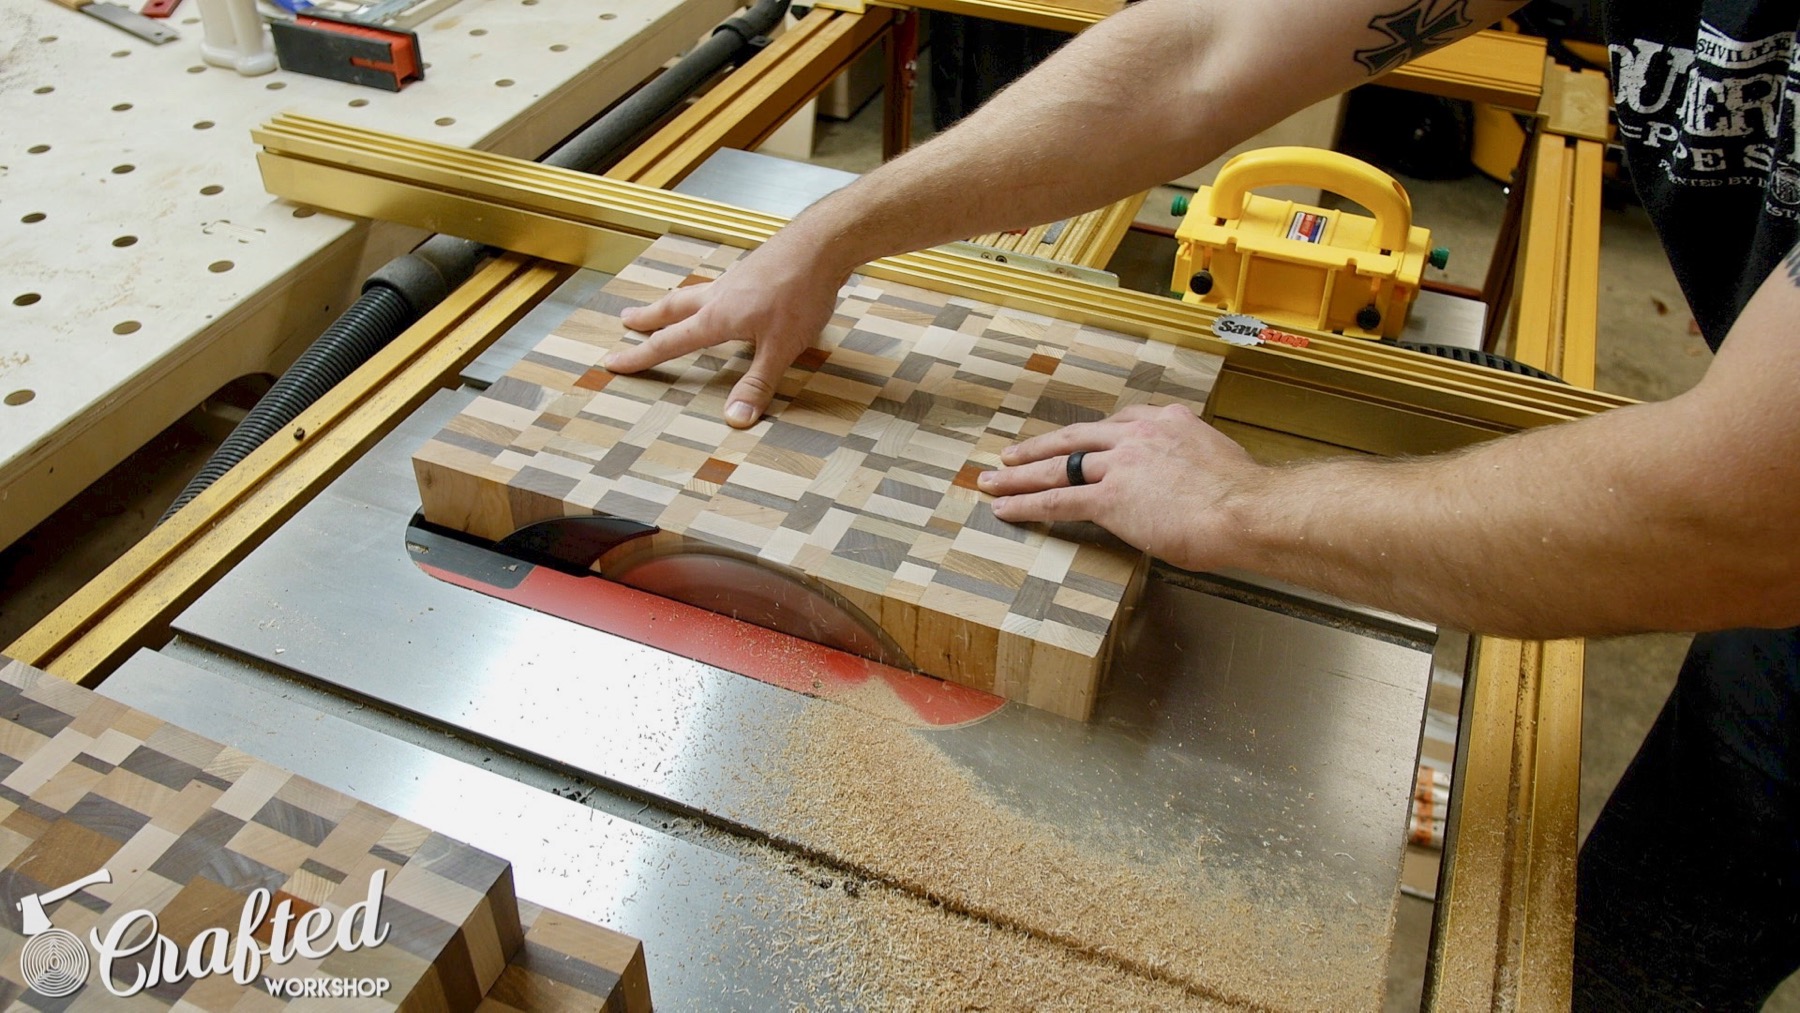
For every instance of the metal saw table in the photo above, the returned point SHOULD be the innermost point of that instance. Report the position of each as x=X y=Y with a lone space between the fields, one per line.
x=1234 y=701
x=1268 y=732
x=330 y=651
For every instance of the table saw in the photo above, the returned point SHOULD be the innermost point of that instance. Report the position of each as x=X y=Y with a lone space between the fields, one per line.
x=1226 y=829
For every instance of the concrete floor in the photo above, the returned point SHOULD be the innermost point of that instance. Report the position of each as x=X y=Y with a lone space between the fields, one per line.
x=1647 y=347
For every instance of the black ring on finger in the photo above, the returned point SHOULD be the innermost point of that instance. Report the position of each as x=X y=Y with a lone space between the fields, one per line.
x=1076 y=475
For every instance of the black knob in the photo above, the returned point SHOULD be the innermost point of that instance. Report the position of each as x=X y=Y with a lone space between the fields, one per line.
x=1368 y=318
x=1200 y=283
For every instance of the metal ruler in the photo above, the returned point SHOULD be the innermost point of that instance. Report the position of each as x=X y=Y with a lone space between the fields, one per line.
x=125 y=20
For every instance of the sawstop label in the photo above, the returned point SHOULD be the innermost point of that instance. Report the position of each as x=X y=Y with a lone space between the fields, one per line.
x=1246 y=330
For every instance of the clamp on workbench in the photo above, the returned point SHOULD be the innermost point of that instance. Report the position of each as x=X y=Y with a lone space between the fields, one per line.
x=342 y=50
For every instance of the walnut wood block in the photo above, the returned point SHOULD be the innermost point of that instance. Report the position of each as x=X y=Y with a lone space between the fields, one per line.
x=862 y=476
x=188 y=828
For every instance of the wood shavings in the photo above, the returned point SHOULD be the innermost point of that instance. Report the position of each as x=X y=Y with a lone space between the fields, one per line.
x=897 y=951
x=1008 y=900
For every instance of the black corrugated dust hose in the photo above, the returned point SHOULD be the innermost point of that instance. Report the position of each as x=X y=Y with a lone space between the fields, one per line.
x=370 y=322
x=407 y=287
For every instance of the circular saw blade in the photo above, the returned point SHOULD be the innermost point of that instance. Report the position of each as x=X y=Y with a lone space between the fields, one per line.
x=747 y=589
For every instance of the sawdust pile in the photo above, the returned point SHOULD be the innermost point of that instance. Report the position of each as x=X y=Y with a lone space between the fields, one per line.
x=896 y=951
x=1025 y=912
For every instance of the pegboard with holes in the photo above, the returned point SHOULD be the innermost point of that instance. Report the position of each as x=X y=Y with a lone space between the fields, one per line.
x=142 y=266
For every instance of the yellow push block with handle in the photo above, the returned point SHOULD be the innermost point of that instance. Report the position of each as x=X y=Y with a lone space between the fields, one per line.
x=1290 y=263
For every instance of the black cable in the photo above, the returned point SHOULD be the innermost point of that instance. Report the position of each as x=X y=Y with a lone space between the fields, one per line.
x=370 y=322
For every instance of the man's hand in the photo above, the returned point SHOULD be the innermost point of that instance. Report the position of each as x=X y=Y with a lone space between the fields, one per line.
x=776 y=302
x=1024 y=157
x=1157 y=477
x=1677 y=515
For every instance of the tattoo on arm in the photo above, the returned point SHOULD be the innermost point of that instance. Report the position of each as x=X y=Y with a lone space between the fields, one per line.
x=1412 y=31
x=1792 y=265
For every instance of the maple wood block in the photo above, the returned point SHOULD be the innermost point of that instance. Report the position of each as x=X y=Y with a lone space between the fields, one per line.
x=861 y=477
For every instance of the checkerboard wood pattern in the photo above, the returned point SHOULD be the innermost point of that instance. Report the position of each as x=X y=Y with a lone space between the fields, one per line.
x=862 y=476
x=188 y=828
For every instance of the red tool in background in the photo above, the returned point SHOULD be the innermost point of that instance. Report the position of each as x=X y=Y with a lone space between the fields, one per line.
x=386 y=58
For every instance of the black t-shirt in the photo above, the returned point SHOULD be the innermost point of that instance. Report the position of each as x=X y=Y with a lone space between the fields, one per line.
x=1707 y=95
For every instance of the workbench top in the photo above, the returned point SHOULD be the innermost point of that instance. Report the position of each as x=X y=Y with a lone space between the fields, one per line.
x=142 y=266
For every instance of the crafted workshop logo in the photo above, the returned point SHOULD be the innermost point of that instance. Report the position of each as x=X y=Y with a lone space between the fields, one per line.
x=134 y=956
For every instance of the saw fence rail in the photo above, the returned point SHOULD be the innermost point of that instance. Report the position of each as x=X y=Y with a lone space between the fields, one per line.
x=130 y=604
x=1503 y=933
x=602 y=223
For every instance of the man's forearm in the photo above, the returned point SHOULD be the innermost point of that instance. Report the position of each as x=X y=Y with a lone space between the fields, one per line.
x=1137 y=100
x=1616 y=524
x=1676 y=516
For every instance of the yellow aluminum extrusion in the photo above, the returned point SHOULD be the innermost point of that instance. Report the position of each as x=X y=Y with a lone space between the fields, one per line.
x=1059 y=17
x=507 y=201
x=1453 y=393
x=1446 y=389
x=1500 y=68
x=1504 y=931
x=1106 y=232
x=1505 y=927
x=1086 y=240
x=132 y=601
x=1555 y=308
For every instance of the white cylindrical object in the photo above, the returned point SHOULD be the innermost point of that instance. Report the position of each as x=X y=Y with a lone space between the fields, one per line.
x=234 y=37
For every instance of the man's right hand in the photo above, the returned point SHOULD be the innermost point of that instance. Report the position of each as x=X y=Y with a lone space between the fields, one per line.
x=772 y=298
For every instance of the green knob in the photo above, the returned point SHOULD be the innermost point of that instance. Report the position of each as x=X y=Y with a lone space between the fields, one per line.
x=1179 y=205
x=1439 y=257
